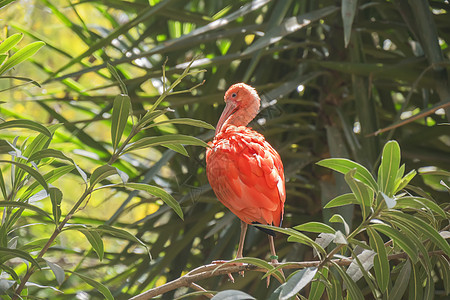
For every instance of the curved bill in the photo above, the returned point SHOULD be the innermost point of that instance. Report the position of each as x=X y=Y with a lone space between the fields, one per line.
x=229 y=110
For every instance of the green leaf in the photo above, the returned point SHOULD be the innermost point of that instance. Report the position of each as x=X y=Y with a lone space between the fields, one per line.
x=335 y=290
x=46 y=153
x=336 y=218
x=56 y=197
x=158 y=192
x=297 y=282
x=114 y=73
x=353 y=289
x=415 y=290
x=165 y=140
x=10 y=42
x=95 y=284
x=184 y=121
x=444 y=268
x=27 y=124
x=21 y=55
x=101 y=173
x=315 y=227
x=423 y=227
x=3 y=58
x=363 y=194
x=151 y=115
x=405 y=180
x=177 y=148
x=387 y=172
x=296 y=236
x=232 y=295
x=290 y=25
x=49 y=178
x=57 y=271
x=121 y=233
x=343 y=165
x=317 y=286
x=3 y=186
x=399 y=238
x=341 y=200
x=25 y=206
x=419 y=204
x=348 y=10
x=381 y=262
x=8 y=253
x=120 y=113
x=92 y=236
x=401 y=283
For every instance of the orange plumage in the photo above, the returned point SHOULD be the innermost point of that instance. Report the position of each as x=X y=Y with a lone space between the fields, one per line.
x=247 y=176
x=244 y=171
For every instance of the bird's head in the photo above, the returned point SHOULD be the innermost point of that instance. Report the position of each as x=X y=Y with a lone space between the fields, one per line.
x=241 y=106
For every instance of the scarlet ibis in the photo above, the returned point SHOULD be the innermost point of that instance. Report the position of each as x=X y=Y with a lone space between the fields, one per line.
x=244 y=171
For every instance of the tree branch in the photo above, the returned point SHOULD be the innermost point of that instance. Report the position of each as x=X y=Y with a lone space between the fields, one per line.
x=213 y=270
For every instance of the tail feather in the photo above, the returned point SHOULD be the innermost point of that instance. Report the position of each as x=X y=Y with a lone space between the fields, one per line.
x=265 y=230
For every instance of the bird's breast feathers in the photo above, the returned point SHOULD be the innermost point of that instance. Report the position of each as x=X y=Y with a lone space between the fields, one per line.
x=246 y=174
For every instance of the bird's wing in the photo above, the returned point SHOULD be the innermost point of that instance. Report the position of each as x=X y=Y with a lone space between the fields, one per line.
x=246 y=174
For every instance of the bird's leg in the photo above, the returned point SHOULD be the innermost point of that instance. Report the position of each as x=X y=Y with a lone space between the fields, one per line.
x=241 y=243
x=242 y=239
x=273 y=256
x=240 y=250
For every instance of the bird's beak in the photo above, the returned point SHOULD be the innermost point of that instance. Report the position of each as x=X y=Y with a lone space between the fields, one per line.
x=229 y=110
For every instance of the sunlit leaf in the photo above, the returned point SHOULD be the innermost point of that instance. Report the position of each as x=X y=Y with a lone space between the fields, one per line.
x=158 y=192
x=387 y=172
x=315 y=227
x=26 y=124
x=165 y=140
x=341 y=200
x=363 y=194
x=25 y=206
x=10 y=42
x=353 y=289
x=343 y=166
x=57 y=271
x=184 y=121
x=21 y=55
x=232 y=294
x=101 y=173
x=95 y=284
x=7 y=254
x=424 y=228
x=56 y=196
x=399 y=238
x=121 y=110
x=317 y=285
x=297 y=282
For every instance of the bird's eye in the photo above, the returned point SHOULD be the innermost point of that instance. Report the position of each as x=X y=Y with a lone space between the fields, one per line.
x=234 y=95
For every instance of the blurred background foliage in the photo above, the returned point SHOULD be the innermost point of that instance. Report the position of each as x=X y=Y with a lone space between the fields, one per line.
x=321 y=98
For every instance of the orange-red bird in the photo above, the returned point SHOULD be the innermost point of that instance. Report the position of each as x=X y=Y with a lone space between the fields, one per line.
x=244 y=171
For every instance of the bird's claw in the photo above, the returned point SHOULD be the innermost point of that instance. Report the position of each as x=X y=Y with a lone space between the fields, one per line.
x=217 y=262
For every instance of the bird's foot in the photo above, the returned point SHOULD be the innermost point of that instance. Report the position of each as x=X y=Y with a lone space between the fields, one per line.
x=218 y=262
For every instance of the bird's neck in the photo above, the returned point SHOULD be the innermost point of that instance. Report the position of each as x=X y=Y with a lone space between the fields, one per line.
x=243 y=116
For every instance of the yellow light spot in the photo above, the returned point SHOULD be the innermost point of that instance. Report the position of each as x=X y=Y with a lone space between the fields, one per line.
x=249 y=38
x=160 y=281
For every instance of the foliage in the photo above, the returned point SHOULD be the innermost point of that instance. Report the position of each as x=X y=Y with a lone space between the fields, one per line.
x=338 y=80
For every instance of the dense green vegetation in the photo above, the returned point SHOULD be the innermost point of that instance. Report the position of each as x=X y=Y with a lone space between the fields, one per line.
x=106 y=107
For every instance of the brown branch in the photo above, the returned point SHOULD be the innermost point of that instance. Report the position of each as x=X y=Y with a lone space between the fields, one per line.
x=212 y=270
